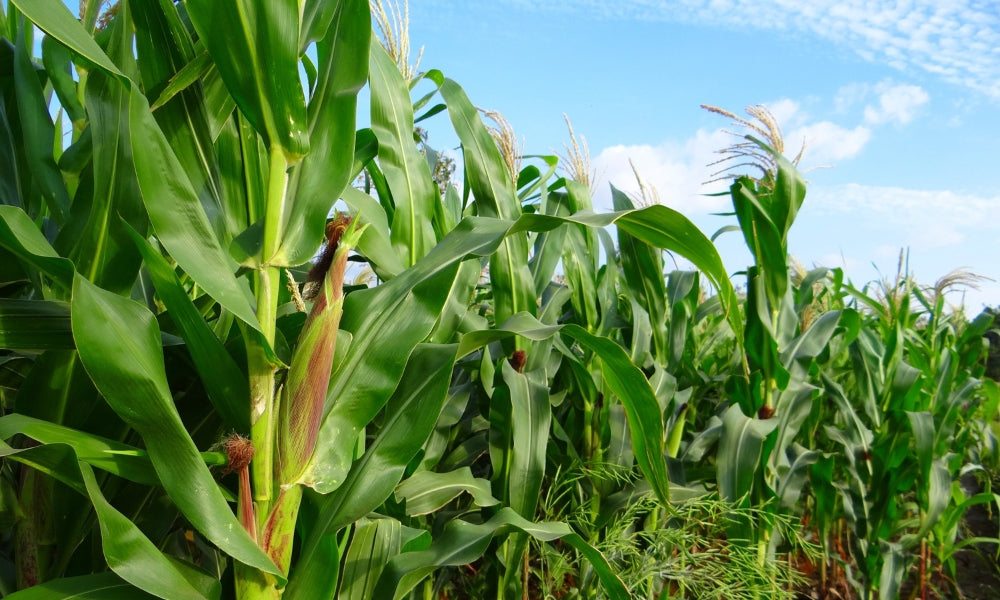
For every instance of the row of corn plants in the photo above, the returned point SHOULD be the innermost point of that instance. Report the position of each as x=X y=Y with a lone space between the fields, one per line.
x=230 y=371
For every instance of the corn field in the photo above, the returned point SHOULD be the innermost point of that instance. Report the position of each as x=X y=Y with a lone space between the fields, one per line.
x=252 y=348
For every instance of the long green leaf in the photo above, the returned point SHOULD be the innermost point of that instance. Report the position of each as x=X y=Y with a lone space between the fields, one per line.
x=164 y=49
x=255 y=45
x=387 y=323
x=177 y=215
x=372 y=545
x=128 y=552
x=114 y=457
x=669 y=229
x=34 y=325
x=406 y=171
x=641 y=408
x=103 y=252
x=739 y=452
x=427 y=491
x=462 y=542
x=100 y=586
x=324 y=173
x=530 y=422
x=38 y=132
x=375 y=242
x=225 y=383
x=642 y=266
x=411 y=413
x=21 y=237
x=490 y=181
x=54 y=18
x=123 y=357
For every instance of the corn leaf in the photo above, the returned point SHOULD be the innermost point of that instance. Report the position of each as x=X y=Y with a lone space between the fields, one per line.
x=323 y=174
x=103 y=252
x=372 y=545
x=35 y=325
x=38 y=131
x=411 y=413
x=426 y=491
x=177 y=215
x=164 y=49
x=530 y=419
x=490 y=181
x=254 y=45
x=462 y=542
x=224 y=382
x=407 y=173
x=641 y=408
x=20 y=236
x=52 y=17
x=121 y=353
x=129 y=553
x=99 y=586
x=114 y=457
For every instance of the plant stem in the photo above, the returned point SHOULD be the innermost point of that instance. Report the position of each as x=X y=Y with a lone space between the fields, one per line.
x=262 y=416
x=262 y=370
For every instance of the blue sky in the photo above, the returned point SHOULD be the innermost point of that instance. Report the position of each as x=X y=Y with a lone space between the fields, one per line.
x=900 y=100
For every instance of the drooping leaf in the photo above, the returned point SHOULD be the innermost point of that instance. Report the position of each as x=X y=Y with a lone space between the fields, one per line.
x=224 y=382
x=21 y=237
x=121 y=352
x=643 y=411
x=177 y=215
x=462 y=542
x=54 y=18
x=114 y=457
x=99 y=586
x=129 y=553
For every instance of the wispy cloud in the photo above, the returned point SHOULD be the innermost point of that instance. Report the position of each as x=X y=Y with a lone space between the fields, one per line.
x=895 y=103
x=679 y=170
x=924 y=218
x=952 y=39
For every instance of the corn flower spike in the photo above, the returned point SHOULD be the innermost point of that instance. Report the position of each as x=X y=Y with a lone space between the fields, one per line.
x=309 y=374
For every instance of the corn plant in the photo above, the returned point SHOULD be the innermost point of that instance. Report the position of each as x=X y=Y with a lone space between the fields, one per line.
x=266 y=382
x=162 y=245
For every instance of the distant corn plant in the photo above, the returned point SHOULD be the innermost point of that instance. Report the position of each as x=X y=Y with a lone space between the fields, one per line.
x=523 y=398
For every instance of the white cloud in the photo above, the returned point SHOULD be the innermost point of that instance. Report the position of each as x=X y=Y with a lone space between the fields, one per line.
x=676 y=170
x=918 y=218
x=955 y=40
x=896 y=103
x=826 y=142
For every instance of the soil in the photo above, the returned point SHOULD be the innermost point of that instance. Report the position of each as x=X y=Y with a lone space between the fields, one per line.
x=977 y=566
